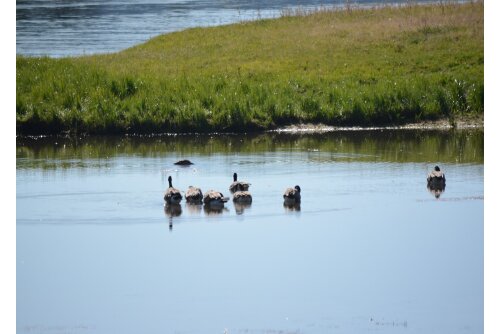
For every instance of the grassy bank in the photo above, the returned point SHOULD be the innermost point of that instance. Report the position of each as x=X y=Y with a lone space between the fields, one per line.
x=382 y=66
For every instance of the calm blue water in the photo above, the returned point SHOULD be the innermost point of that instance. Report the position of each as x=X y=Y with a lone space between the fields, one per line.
x=67 y=28
x=371 y=250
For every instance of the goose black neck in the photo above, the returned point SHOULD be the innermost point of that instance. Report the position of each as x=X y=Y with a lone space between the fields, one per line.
x=235 y=177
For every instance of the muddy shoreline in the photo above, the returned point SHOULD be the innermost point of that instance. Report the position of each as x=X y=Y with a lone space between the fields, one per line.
x=461 y=124
x=305 y=128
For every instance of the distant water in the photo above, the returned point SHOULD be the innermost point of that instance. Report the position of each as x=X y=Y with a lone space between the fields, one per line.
x=61 y=28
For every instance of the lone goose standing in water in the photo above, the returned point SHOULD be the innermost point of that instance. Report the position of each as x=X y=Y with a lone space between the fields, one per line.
x=436 y=177
x=172 y=195
x=194 y=195
x=436 y=182
x=292 y=195
x=238 y=185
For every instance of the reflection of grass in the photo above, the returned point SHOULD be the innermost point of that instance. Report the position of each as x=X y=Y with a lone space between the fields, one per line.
x=462 y=146
x=384 y=66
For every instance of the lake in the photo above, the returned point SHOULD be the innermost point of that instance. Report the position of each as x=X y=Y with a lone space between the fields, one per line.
x=369 y=249
x=60 y=28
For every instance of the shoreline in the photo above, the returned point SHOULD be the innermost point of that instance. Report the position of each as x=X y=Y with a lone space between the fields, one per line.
x=303 y=128
x=425 y=125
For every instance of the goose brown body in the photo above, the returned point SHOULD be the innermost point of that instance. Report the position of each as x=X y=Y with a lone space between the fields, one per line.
x=436 y=176
x=213 y=197
x=242 y=197
x=194 y=195
x=292 y=195
x=436 y=182
x=238 y=185
x=172 y=195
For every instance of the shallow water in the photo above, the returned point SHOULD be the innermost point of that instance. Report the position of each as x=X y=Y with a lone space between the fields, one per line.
x=67 y=28
x=370 y=249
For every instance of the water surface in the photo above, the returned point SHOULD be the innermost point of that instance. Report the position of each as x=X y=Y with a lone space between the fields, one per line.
x=370 y=249
x=69 y=28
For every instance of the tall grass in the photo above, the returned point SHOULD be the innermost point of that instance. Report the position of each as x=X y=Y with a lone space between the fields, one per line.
x=389 y=65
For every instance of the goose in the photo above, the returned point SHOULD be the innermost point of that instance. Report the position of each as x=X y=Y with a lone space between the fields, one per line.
x=436 y=177
x=172 y=195
x=292 y=195
x=214 y=198
x=436 y=182
x=242 y=197
x=194 y=195
x=238 y=185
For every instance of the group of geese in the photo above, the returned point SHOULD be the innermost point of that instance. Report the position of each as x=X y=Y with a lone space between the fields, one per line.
x=213 y=198
x=436 y=183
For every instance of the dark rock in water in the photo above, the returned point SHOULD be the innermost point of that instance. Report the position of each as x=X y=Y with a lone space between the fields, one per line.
x=183 y=163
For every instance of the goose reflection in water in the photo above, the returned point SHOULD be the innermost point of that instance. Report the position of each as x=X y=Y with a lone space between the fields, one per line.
x=436 y=188
x=171 y=211
x=291 y=206
x=214 y=210
x=194 y=208
x=240 y=207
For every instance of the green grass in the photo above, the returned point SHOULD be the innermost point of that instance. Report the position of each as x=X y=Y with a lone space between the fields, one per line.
x=390 y=65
